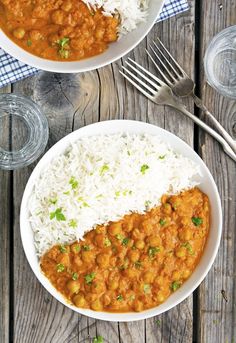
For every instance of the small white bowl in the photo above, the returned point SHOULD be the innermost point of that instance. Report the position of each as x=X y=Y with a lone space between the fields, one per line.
x=207 y=185
x=114 y=52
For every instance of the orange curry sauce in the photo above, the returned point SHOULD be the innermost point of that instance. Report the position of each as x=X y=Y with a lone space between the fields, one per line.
x=64 y=30
x=135 y=263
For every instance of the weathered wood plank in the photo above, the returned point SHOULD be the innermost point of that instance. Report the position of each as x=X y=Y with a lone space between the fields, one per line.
x=5 y=229
x=218 y=312
x=38 y=317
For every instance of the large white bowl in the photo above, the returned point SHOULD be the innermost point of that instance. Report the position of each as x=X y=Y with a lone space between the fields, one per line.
x=207 y=185
x=115 y=51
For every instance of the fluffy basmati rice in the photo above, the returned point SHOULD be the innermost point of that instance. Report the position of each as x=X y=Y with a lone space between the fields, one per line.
x=130 y=12
x=100 y=179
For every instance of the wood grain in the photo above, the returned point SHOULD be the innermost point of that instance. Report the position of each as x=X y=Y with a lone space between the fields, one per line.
x=218 y=291
x=5 y=220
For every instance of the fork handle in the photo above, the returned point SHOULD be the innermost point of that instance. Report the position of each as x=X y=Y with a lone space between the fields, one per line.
x=204 y=126
x=218 y=126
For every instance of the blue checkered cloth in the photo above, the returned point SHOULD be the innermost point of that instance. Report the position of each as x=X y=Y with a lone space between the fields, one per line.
x=12 y=70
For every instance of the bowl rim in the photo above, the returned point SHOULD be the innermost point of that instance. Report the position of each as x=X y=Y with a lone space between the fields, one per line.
x=75 y=66
x=59 y=147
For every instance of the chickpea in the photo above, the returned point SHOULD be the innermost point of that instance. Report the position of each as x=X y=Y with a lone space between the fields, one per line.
x=73 y=286
x=35 y=35
x=97 y=305
x=115 y=228
x=99 y=240
x=167 y=208
x=79 y=300
x=138 y=306
x=147 y=227
x=128 y=225
x=66 y=6
x=90 y=297
x=148 y=277
x=98 y=287
x=176 y=275
x=140 y=244
x=103 y=260
x=19 y=33
x=106 y=299
x=133 y=255
x=190 y=261
x=58 y=17
x=78 y=261
x=185 y=234
x=160 y=297
x=154 y=241
x=186 y=273
x=130 y=273
x=64 y=259
x=180 y=252
x=87 y=256
x=113 y=284
x=137 y=234
x=110 y=36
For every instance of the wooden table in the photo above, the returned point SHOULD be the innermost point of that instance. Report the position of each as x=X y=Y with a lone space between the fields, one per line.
x=29 y=314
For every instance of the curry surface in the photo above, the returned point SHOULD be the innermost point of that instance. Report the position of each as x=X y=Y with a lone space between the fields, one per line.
x=135 y=263
x=63 y=30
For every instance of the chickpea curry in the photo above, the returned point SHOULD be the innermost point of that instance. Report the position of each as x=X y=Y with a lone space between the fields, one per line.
x=136 y=263
x=62 y=30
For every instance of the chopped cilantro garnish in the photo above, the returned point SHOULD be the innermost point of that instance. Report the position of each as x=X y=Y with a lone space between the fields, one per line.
x=53 y=201
x=73 y=182
x=117 y=193
x=143 y=168
x=74 y=276
x=146 y=289
x=138 y=264
x=132 y=297
x=62 y=249
x=29 y=42
x=85 y=204
x=73 y=223
x=158 y=322
x=104 y=169
x=89 y=278
x=107 y=242
x=128 y=152
x=60 y=267
x=147 y=203
x=86 y=247
x=162 y=222
x=63 y=44
x=125 y=241
x=175 y=285
x=162 y=157
x=98 y=339
x=77 y=248
x=152 y=251
x=119 y=297
x=197 y=221
x=58 y=215
x=188 y=246
x=66 y=193
x=119 y=237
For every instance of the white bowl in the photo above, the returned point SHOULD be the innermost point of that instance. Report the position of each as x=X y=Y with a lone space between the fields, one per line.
x=207 y=185
x=115 y=51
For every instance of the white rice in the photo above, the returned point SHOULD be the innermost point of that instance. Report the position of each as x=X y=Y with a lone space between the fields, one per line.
x=130 y=12
x=112 y=175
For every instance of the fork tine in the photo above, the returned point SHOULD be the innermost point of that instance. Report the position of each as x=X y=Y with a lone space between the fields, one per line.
x=166 y=60
x=135 y=85
x=159 y=69
x=171 y=57
x=143 y=75
x=161 y=83
x=151 y=90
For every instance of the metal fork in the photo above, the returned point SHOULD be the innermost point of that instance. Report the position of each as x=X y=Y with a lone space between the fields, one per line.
x=181 y=84
x=157 y=91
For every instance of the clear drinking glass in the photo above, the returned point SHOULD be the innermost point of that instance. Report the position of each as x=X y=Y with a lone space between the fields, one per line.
x=220 y=62
x=23 y=131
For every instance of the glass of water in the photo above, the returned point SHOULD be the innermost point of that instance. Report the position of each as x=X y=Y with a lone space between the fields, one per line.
x=23 y=131
x=220 y=62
